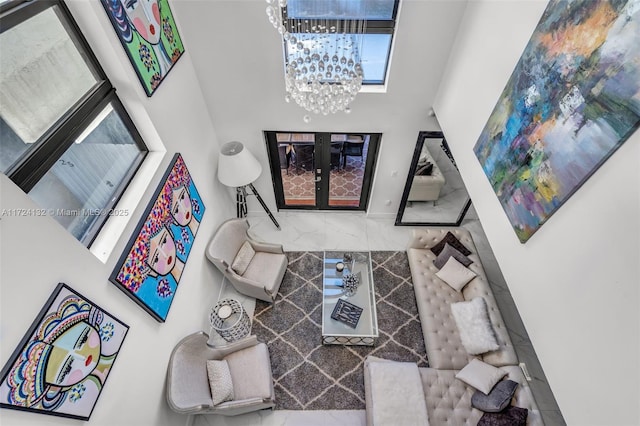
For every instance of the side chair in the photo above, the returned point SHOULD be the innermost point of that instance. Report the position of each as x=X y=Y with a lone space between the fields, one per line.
x=254 y=268
x=189 y=389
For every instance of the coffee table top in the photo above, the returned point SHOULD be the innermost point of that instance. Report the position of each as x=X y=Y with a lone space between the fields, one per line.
x=364 y=297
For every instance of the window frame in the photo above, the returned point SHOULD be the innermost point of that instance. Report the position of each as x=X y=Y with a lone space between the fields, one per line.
x=35 y=162
x=373 y=26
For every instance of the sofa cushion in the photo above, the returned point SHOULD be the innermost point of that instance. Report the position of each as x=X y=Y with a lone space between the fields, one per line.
x=498 y=399
x=481 y=375
x=474 y=325
x=251 y=372
x=393 y=393
x=243 y=258
x=220 y=381
x=450 y=251
x=452 y=241
x=455 y=274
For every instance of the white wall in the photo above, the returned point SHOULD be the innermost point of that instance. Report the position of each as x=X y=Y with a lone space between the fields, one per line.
x=36 y=253
x=239 y=64
x=575 y=282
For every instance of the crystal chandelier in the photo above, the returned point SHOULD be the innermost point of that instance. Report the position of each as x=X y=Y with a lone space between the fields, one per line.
x=324 y=71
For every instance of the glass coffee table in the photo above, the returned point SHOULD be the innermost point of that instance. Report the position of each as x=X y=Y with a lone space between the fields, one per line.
x=348 y=318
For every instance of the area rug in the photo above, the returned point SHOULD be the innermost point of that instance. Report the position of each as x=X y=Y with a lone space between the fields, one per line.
x=311 y=376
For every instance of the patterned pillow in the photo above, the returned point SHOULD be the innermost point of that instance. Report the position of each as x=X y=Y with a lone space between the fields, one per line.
x=448 y=252
x=220 y=381
x=453 y=242
x=512 y=416
x=243 y=258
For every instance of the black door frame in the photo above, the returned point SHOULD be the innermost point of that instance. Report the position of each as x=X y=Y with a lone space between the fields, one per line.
x=412 y=171
x=322 y=158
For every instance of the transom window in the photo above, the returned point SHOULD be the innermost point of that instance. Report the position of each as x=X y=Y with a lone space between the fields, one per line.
x=65 y=137
x=379 y=25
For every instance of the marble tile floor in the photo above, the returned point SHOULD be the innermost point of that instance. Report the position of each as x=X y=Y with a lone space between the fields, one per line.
x=308 y=231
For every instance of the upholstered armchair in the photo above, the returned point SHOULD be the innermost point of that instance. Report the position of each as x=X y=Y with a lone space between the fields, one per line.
x=189 y=389
x=254 y=268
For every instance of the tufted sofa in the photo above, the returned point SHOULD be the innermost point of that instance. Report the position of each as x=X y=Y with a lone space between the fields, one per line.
x=433 y=296
x=427 y=188
x=447 y=399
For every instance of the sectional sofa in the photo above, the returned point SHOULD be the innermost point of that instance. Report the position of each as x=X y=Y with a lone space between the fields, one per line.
x=442 y=398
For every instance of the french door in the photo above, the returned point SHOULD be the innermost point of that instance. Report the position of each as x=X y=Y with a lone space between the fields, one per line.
x=322 y=171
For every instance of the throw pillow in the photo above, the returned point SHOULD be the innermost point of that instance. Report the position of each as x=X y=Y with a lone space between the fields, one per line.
x=497 y=400
x=512 y=416
x=453 y=241
x=474 y=325
x=243 y=258
x=446 y=253
x=480 y=375
x=425 y=170
x=220 y=381
x=455 y=274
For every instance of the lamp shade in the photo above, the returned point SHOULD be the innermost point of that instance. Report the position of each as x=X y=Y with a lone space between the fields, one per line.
x=236 y=165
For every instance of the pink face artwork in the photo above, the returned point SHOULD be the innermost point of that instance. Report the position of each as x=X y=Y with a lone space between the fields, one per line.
x=74 y=355
x=145 y=17
x=181 y=206
x=162 y=253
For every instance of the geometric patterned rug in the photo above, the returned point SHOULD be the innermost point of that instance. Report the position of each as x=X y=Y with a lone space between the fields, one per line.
x=310 y=376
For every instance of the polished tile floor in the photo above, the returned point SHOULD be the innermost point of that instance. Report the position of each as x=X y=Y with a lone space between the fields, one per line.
x=309 y=231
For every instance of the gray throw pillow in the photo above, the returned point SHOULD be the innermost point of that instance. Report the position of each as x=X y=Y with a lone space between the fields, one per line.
x=453 y=242
x=446 y=253
x=497 y=400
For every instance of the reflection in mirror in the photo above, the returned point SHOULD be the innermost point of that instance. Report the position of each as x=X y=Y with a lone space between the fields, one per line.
x=434 y=193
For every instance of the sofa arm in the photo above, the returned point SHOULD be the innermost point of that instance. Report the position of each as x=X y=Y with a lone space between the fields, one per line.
x=393 y=393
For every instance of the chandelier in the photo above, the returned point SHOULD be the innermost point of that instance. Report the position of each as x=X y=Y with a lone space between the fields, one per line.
x=324 y=70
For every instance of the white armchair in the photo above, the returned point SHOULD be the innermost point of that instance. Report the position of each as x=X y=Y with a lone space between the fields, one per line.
x=266 y=268
x=188 y=386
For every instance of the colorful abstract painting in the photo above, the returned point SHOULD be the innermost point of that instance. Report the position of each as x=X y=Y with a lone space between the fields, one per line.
x=151 y=266
x=572 y=100
x=62 y=363
x=149 y=35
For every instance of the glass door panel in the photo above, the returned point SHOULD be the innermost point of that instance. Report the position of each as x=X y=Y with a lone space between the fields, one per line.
x=348 y=159
x=329 y=171
x=296 y=155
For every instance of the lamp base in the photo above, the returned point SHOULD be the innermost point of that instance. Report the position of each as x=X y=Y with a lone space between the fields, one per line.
x=241 y=202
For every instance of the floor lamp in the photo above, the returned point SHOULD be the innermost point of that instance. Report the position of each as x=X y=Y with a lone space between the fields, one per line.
x=238 y=168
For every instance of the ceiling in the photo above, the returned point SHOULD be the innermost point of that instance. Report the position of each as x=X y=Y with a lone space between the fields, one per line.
x=238 y=59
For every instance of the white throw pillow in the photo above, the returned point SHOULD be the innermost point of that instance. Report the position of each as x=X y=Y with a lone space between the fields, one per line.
x=220 y=381
x=243 y=258
x=474 y=325
x=455 y=274
x=481 y=375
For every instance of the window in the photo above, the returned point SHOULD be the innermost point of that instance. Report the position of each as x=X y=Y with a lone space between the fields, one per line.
x=65 y=137
x=376 y=42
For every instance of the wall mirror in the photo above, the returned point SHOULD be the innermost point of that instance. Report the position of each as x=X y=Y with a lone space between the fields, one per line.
x=434 y=193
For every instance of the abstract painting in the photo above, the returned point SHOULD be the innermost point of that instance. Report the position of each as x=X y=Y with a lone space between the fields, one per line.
x=149 y=35
x=572 y=100
x=62 y=363
x=150 y=268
